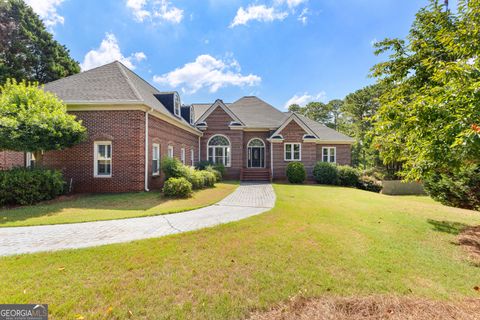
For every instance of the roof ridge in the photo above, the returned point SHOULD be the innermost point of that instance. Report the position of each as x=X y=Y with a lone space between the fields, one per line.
x=78 y=74
x=139 y=77
x=129 y=81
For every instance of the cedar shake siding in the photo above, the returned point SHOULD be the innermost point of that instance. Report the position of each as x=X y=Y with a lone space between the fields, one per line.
x=165 y=134
x=218 y=122
x=126 y=131
x=11 y=159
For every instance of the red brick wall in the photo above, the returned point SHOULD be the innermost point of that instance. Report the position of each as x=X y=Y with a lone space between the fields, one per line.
x=311 y=152
x=126 y=130
x=165 y=134
x=344 y=153
x=10 y=159
x=218 y=122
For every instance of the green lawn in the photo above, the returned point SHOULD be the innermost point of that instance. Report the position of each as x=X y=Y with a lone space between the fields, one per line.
x=317 y=241
x=111 y=206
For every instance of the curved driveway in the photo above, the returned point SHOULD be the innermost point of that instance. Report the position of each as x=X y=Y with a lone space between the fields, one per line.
x=249 y=199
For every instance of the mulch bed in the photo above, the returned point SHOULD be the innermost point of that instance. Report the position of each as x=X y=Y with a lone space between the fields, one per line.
x=371 y=308
x=469 y=240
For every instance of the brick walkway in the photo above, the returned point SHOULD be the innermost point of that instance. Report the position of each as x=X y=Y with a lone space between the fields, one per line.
x=248 y=200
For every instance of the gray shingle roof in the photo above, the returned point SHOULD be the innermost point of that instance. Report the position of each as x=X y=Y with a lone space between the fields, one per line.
x=256 y=113
x=110 y=83
x=323 y=132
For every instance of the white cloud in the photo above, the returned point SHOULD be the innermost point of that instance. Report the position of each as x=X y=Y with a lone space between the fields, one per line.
x=160 y=9
x=109 y=51
x=291 y=3
x=303 y=17
x=305 y=98
x=259 y=13
x=47 y=10
x=207 y=72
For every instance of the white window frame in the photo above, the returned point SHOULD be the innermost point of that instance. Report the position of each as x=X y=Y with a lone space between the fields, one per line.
x=192 y=156
x=176 y=104
x=182 y=155
x=329 y=154
x=292 y=153
x=170 y=151
x=96 y=144
x=227 y=160
x=28 y=160
x=156 y=158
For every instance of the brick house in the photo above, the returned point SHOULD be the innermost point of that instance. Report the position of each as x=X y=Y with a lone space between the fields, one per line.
x=131 y=126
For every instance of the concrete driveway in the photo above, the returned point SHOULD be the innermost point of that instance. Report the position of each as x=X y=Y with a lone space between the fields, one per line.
x=248 y=200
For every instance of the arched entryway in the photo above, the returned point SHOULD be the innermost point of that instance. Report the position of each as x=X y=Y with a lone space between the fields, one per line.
x=256 y=153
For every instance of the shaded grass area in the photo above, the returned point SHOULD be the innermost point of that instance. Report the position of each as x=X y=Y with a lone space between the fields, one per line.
x=317 y=241
x=111 y=206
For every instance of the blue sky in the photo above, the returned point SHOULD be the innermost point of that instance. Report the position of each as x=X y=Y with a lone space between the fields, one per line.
x=280 y=50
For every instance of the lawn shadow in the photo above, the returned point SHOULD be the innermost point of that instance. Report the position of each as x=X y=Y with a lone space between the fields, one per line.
x=448 y=226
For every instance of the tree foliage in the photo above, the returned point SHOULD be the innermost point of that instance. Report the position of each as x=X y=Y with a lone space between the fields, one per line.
x=34 y=120
x=430 y=117
x=27 y=50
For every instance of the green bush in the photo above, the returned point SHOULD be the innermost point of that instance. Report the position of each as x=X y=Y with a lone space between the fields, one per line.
x=194 y=177
x=22 y=186
x=172 y=168
x=208 y=178
x=218 y=174
x=460 y=189
x=347 y=176
x=325 y=173
x=177 y=187
x=296 y=172
x=220 y=168
x=369 y=184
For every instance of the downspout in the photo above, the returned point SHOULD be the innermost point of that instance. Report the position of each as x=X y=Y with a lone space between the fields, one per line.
x=146 y=148
x=271 y=160
x=199 y=149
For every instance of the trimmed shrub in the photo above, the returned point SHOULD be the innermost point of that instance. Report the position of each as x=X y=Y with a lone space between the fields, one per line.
x=347 y=176
x=172 y=168
x=325 y=173
x=461 y=189
x=23 y=186
x=296 y=172
x=194 y=177
x=369 y=184
x=208 y=178
x=204 y=165
x=218 y=174
x=220 y=168
x=177 y=187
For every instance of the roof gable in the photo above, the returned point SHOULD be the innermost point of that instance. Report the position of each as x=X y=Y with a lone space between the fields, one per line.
x=219 y=104
x=294 y=117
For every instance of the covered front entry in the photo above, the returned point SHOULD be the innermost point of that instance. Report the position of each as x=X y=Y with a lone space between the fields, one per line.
x=256 y=153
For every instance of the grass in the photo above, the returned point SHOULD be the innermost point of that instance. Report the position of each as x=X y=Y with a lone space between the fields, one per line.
x=317 y=241
x=110 y=206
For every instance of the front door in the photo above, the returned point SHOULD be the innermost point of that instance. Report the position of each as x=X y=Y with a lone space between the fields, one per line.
x=256 y=157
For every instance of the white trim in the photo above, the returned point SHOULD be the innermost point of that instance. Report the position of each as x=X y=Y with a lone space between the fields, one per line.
x=183 y=155
x=215 y=105
x=229 y=158
x=264 y=147
x=329 y=155
x=170 y=151
x=294 y=117
x=95 y=158
x=156 y=145
x=146 y=150
x=271 y=161
x=292 y=151
x=29 y=157
x=130 y=106
x=177 y=107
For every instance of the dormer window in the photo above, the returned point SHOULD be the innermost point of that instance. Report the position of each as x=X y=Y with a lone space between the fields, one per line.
x=235 y=123
x=176 y=104
x=192 y=116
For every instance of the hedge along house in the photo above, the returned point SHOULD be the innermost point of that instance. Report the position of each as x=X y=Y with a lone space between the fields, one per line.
x=131 y=126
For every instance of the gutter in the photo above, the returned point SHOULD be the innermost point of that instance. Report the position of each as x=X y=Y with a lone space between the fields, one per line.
x=146 y=148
